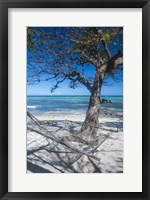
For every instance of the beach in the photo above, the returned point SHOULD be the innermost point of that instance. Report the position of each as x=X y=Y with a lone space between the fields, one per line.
x=62 y=117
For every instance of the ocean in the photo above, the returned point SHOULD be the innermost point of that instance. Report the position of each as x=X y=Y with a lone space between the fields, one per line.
x=51 y=104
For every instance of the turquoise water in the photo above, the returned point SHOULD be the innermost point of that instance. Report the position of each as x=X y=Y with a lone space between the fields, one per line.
x=46 y=104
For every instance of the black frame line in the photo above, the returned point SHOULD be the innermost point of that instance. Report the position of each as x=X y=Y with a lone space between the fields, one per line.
x=4 y=6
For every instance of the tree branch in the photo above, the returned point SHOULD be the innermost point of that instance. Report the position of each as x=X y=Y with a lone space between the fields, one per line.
x=114 y=63
x=104 y=44
x=111 y=65
x=57 y=84
x=79 y=78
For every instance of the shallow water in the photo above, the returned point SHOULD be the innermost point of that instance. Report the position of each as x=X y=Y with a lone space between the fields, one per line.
x=47 y=104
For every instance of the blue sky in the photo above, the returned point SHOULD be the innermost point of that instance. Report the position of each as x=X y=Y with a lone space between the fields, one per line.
x=43 y=88
x=112 y=87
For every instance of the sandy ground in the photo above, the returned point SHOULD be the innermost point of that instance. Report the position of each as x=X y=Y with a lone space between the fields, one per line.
x=41 y=155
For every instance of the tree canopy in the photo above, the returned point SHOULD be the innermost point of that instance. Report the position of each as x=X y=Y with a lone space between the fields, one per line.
x=65 y=53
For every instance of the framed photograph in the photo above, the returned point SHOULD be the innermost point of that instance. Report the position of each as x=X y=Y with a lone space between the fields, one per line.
x=74 y=99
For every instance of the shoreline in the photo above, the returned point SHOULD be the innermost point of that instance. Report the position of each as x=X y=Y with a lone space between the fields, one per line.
x=75 y=114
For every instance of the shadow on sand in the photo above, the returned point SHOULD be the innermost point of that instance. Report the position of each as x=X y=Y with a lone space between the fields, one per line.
x=36 y=169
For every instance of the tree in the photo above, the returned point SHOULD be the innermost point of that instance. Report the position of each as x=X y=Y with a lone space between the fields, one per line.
x=59 y=54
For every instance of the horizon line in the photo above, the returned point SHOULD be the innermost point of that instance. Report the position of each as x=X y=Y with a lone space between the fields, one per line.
x=72 y=95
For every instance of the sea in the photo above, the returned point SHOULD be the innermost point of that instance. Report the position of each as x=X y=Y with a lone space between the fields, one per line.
x=69 y=103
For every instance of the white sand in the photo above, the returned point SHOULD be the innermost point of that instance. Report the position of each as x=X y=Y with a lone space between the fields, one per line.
x=42 y=160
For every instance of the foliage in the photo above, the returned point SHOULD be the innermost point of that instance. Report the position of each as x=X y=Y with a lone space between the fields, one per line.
x=60 y=54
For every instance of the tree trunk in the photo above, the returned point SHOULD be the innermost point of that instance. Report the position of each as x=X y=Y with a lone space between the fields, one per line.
x=89 y=127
